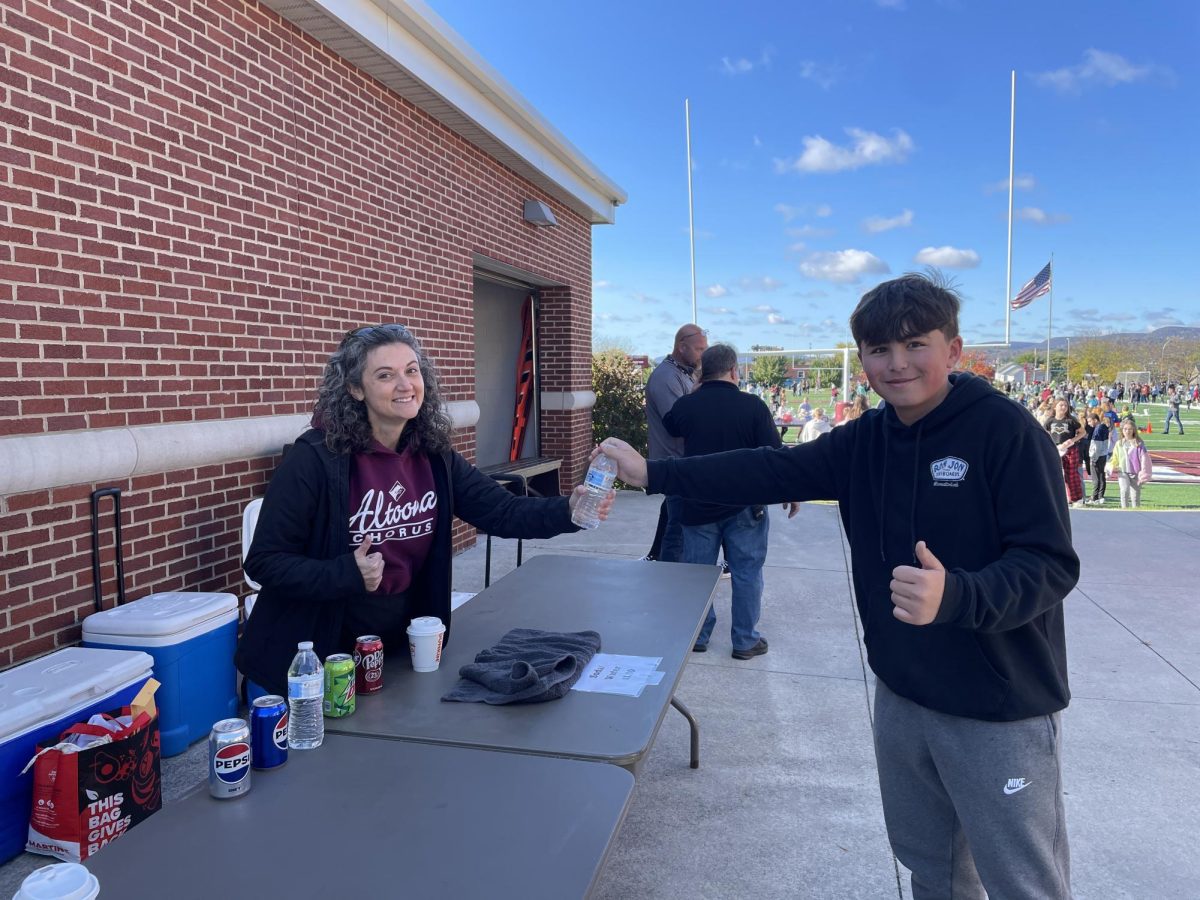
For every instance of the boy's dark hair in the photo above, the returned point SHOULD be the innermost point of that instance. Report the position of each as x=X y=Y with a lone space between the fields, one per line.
x=716 y=362
x=906 y=306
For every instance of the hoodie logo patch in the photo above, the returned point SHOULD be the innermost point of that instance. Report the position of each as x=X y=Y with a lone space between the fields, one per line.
x=948 y=471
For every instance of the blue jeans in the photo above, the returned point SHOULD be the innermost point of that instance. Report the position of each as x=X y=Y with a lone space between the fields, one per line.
x=671 y=548
x=1172 y=414
x=745 y=541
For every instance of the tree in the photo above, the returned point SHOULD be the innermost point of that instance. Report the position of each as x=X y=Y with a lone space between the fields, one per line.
x=769 y=371
x=974 y=361
x=620 y=409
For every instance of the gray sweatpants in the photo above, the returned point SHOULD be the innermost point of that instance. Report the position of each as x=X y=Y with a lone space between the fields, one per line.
x=970 y=804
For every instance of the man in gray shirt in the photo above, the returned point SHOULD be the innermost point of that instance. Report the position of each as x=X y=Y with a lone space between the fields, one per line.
x=670 y=380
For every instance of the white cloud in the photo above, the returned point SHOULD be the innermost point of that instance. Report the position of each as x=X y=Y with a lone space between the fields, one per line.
x=802 y=231
x=843 y=266
x=1099 y=68
x=947 y=257
x=826 y=76
x=1039 y=216
x=821 y=211
x=866 y=149
x=798 y=247
x=878 y=224
x=743 y=66
x=718 y=310
x=788 y=212
x=601 y=285
x=1020 y=183
x=714 y=291
x=757 y=141
x=763 y=308
x=759 y=283
x=777 y=319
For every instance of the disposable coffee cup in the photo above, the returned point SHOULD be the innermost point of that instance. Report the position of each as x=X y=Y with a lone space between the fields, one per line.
x=425 y=636
x=62 y=881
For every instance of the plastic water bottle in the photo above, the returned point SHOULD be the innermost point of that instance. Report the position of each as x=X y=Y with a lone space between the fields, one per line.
x=599 y=482
x=306 y=678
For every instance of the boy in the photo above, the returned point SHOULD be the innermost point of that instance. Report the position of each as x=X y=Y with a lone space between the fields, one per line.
x=953 y=504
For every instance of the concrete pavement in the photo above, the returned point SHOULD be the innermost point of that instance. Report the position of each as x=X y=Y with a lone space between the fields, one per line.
x=785 y=803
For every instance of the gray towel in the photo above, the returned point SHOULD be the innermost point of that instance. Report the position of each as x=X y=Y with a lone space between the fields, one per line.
x=527 y=666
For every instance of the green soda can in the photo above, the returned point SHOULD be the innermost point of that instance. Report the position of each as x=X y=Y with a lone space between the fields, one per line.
x=339 y=685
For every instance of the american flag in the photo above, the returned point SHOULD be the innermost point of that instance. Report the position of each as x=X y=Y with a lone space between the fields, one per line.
x=1039 y=285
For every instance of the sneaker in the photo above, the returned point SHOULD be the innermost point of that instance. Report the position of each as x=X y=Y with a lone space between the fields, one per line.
x=699 y=648
x=757 y=650
x=648 y=558
x=724 y=569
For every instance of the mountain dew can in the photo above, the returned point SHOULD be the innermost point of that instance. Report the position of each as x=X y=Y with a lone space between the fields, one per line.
x=339 y=685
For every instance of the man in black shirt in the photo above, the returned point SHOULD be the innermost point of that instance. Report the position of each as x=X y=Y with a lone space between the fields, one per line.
x=718 y=416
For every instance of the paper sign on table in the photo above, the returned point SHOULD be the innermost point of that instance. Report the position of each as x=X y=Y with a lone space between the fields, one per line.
x=609 y=673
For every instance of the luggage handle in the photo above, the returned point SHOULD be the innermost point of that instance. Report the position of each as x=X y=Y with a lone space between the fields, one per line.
x=97 y=594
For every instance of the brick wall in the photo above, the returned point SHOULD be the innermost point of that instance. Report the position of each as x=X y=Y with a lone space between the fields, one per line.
x=196 y=201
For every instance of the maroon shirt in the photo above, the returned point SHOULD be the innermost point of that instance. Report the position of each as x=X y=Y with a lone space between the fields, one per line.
x=392 y=499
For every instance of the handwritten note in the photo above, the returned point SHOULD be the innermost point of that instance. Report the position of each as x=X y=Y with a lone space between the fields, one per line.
x=628 y=676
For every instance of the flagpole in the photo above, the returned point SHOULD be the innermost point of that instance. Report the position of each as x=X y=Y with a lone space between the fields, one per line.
x=1049 y=316
x=687 y=122
x=1012 y=125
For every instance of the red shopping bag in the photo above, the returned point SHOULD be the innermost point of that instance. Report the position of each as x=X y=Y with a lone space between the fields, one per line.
x=85 y=798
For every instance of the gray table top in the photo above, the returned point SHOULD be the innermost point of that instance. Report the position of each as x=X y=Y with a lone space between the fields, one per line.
x=638 y=608
x=371 y=817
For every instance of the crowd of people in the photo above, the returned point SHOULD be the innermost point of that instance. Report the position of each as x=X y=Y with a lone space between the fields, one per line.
x=1106 y=444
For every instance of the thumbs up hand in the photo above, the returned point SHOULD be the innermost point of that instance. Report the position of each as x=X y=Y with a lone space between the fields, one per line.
x=370 y=565
x=917 y=593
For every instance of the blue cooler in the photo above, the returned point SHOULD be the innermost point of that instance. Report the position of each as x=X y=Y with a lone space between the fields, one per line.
x=38 y=701
x=192 y=637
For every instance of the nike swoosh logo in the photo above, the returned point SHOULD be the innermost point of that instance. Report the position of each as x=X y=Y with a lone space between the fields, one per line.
x=1013 y=790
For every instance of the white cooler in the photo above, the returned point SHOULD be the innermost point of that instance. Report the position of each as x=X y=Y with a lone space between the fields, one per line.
x=38 y=701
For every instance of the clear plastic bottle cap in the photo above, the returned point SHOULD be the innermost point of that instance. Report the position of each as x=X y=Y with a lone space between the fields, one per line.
x=304 y=645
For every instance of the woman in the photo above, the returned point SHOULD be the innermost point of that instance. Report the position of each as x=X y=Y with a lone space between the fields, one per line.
x=354 y=536
x=1130 y=462
x=1067 y=433
x=1098 y=450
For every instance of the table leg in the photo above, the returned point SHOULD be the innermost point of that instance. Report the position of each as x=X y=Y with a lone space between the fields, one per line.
x=695 y=728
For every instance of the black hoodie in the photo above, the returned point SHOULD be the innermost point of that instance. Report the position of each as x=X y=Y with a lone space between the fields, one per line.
x=301 y=552
x=981 y=483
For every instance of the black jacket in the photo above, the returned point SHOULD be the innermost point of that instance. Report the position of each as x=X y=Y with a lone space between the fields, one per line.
x=981 y=483
x=715 y=417
x=301 y=556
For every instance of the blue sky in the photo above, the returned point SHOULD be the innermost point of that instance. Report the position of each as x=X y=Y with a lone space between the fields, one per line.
x=837 y=142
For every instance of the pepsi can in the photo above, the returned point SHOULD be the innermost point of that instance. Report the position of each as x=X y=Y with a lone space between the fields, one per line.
x=268 y=732
x=229 y=759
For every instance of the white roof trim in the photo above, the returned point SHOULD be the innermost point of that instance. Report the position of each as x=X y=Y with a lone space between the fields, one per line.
x=405 y=45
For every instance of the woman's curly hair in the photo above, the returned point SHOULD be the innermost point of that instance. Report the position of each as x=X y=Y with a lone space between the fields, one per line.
x=344 y=419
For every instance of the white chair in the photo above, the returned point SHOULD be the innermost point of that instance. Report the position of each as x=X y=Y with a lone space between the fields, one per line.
x=249 y=522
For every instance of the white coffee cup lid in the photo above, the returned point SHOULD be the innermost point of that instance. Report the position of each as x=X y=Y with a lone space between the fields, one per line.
x=426 y=625
x=62 y=881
